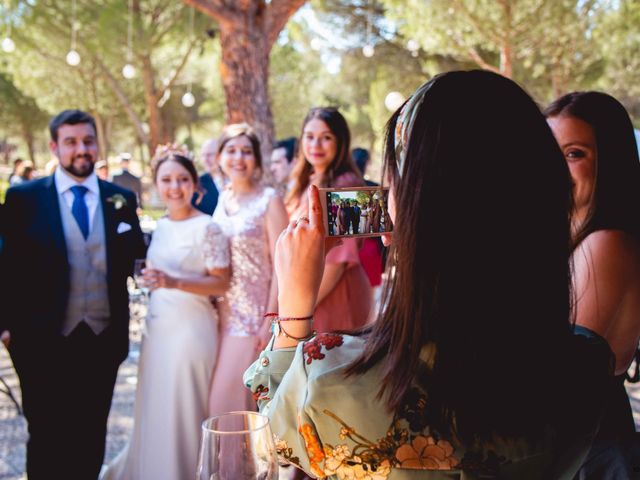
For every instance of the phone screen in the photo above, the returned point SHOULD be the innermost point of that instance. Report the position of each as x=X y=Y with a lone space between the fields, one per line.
x=357 y=211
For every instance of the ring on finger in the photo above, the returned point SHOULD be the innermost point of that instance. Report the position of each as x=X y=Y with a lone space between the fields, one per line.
x=302 y=219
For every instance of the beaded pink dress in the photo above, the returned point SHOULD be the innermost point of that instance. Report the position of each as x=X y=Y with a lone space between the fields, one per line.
x=243 y=307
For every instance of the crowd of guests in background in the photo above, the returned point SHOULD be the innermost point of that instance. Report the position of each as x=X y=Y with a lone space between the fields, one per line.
x=359 y=217
x=481 y=254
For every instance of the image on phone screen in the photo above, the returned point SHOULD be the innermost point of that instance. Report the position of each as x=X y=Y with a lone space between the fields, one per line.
x=356 y=211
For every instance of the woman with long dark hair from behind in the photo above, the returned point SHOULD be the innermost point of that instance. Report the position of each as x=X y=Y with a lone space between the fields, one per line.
x=596 y=137
x=451 y=375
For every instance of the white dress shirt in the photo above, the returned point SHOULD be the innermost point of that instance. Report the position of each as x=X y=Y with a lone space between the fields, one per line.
x=64 y=182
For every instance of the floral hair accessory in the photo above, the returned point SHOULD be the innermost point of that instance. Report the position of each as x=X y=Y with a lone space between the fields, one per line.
x=168 y=149
x=404 y=123
x=118 y=201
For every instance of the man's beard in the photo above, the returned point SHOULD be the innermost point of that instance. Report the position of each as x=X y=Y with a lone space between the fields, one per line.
x=84 y=171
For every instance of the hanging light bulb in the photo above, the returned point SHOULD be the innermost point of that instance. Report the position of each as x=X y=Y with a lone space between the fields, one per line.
x=73 y=58
x=393 y=101
x=8 y=45
x=368 y=50
x=316 y=44
x=188 y=100
x=128 y=71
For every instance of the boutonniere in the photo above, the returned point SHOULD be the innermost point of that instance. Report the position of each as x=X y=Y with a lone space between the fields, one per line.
x=118 y=201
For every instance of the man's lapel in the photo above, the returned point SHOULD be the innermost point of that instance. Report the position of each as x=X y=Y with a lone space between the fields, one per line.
x=109 y=215
x=51 y=209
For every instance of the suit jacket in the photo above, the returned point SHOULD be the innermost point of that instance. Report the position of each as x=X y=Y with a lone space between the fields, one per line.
x=209 y=199
x=129 y=181
x=35 y=269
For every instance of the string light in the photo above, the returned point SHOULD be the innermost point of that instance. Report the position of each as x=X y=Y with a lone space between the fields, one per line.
x=129 y=71
x=188 y=99
x=316 y=44
x=368 y=50
x=73 y=57
x=8 y=45
x=393 y=101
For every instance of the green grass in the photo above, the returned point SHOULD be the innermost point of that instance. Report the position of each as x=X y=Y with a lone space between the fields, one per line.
x=4 y=185
x=154 y=213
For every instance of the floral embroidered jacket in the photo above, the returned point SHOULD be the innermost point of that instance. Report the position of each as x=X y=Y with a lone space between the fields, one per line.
x=335 y=427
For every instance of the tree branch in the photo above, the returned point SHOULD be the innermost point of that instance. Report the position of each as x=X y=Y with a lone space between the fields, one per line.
x=278 y=14
x=481 y=27
x=124 y=100
x=473 y=53
x=525 y=23
x=177 y=71
x=216 y=9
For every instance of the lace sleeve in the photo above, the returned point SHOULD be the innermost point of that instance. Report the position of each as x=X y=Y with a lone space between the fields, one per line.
x=216 y=247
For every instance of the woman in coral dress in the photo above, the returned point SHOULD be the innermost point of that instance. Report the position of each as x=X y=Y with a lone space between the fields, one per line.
x=345 y=296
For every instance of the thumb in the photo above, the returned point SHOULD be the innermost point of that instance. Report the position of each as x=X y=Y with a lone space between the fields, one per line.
x=315 y=209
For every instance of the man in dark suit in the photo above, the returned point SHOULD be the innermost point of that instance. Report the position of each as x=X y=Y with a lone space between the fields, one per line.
x=70 y=243
x=128 y=180
x=206 y=199
x=355 y=219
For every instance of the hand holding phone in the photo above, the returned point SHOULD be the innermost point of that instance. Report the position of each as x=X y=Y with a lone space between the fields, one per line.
x=355 y=211
x=299 y=261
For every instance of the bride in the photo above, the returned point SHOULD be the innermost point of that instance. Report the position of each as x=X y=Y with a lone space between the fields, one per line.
x=188 y=260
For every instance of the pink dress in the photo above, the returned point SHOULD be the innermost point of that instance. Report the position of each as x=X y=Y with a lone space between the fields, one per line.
x=347 y=306
x=244 y=305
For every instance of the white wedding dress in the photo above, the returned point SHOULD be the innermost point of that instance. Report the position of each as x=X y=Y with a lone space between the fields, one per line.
x=177 y=357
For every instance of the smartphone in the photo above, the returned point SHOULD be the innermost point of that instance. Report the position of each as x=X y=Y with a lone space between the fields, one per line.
x=355 y=211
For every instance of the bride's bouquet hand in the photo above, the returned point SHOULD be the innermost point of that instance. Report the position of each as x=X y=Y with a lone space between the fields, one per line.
x=154 y=279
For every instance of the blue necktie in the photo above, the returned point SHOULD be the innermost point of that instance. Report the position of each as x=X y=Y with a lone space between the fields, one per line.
x=79 y=209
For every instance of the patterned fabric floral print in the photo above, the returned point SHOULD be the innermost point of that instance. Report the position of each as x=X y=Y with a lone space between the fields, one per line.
x=335 y=427
x=364 y=459
x=426 y=453
x=313 y=348
x=314 y=450
x=285 y=452
x=261 y=393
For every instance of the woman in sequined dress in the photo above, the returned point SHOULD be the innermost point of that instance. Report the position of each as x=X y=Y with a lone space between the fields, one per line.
x=345 y=296
x=252 y=217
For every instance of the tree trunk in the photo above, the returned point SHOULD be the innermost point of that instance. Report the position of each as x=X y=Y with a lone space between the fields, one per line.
x=27 y=136
x=557 y=82
x=248 y=30
x=506 y=50
x=103 y=149
x=151 y=101
x=245 y=73
x=506 y=60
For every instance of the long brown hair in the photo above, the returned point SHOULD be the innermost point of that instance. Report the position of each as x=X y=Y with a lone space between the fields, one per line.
x=615 y=199
x=342 y=162
x=481 y=256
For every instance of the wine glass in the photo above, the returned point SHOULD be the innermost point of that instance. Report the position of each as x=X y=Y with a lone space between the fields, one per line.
x=139 y=265
x=237 y=446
